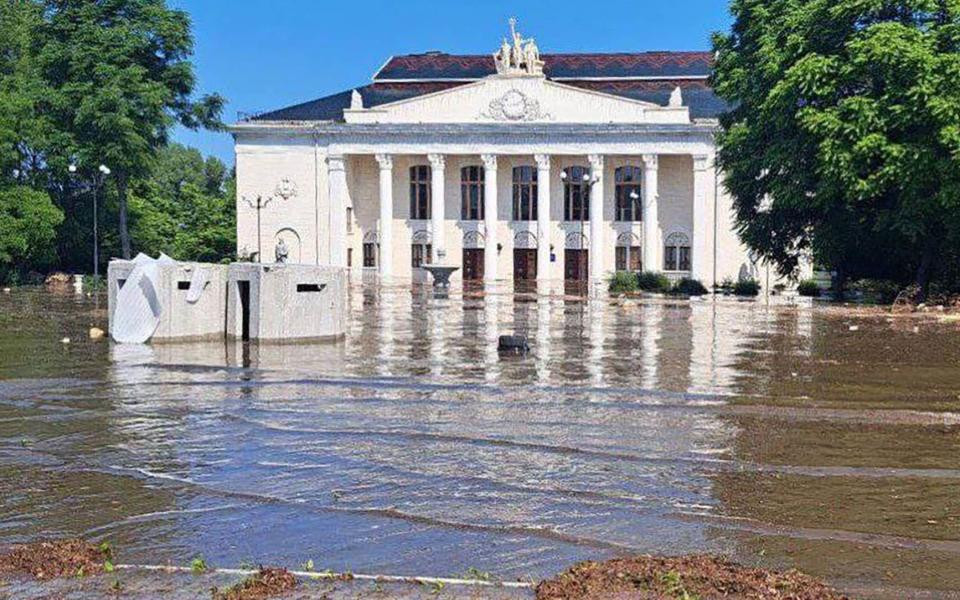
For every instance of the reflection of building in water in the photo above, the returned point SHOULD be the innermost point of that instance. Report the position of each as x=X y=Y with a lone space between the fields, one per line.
x=675 y=348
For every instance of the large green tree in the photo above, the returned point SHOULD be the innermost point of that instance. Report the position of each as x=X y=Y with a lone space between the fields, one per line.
x=844 y=136
x=119 y=77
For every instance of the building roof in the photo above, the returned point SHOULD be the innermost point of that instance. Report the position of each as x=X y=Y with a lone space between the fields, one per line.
x=646 y=76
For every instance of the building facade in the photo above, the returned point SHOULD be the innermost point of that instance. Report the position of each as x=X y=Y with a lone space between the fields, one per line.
x=514 y=166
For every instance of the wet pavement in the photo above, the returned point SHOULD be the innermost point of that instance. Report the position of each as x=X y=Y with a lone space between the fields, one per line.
x=780 y=435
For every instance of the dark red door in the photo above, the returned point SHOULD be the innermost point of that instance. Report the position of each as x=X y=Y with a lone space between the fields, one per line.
x=575 y=265
x=524 y=265
x=473 y=264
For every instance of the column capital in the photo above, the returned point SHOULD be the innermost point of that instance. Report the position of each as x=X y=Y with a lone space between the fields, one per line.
x=385 y=161
x=596 y=162
x=702 y=162
x=543 y=161
x=437 y=161
x=335 y=162
x=651 y=161
x=489 y=161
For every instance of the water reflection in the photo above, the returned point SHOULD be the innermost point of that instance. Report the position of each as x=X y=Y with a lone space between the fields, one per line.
x=770 y=432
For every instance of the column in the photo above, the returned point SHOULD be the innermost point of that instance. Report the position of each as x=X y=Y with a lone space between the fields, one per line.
x=337 y=193
x=597 y=244
x=437 y=205
x=652 y=243
x=490 y=217
x=702 y=220
x=544 y=237
x=385 y=259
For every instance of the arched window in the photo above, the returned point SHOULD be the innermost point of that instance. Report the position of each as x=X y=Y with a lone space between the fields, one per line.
x=471 y=193
x=676 y=252
x=576 y=194
x=420 y=192
x=628 y=194
x=629 y=256
x=524 y=193
x=371 y=247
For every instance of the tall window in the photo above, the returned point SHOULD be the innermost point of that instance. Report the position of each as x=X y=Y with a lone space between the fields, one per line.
x=627 y=191
x=471 y=193
x=676 y=252
x=576 y=194
x=369 y=254
x=420 y=192
x=524 y=193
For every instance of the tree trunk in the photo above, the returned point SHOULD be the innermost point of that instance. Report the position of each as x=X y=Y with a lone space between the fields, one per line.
x=122 y=209
x=923 y=270
x=839 y=281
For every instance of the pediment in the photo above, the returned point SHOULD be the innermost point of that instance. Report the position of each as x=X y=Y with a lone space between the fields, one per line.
x=518 y=99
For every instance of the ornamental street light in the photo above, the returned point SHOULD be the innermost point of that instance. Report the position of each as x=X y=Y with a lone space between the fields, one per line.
x=99 y=179
x=589 y=180
x=259 y=205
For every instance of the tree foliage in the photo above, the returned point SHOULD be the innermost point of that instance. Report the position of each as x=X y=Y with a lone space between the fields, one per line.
x=844 y=136
x=90 y=82
x=28 y=226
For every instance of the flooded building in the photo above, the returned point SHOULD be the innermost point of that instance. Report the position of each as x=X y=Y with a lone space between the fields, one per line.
x=512 y=166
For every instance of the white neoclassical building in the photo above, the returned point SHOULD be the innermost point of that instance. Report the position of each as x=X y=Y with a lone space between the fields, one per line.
x=511 y=166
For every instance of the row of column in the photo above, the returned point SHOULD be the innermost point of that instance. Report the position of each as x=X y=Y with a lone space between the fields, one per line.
x=652 y=234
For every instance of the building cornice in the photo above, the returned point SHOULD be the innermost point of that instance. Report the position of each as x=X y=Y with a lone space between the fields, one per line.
x=329 y=128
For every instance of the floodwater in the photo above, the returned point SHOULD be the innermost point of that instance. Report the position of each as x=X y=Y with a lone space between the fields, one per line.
x=782 y=436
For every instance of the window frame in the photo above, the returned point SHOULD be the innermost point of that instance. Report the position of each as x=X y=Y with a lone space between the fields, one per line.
x=576 y=194
x=627 y=179
x=421 y=193
x=677 y=254
x=472 y=178
x=370 y=254
x=420 y=254
x=524 y=181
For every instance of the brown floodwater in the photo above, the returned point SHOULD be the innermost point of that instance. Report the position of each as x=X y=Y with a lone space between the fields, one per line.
x=780 y=435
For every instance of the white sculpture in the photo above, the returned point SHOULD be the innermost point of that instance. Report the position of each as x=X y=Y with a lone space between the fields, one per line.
x=676 y=98
x=522 y=57
x=281 y=253
x=356 y=101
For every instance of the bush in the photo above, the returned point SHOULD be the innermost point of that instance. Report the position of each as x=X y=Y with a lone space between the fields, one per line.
x=809 y=287
x=747 y=287
x=882 y=291
x=623 y=281
x=649 y=281
x=689 y=287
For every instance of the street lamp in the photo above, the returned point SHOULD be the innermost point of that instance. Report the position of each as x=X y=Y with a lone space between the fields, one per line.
x=589 y=180
x=259 y=205
x=102 y=172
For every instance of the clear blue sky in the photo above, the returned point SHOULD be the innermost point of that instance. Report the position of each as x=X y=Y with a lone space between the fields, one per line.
x=266 y=54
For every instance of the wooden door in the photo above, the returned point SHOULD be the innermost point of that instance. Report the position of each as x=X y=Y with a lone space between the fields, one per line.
x=575 y=265
x=524 y=265
x=473 y=264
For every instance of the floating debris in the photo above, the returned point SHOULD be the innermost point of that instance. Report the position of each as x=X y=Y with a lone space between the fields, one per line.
x=697 y=576
x=266 y=583
x=96 y=333
x=52 y=559
x=65 y=340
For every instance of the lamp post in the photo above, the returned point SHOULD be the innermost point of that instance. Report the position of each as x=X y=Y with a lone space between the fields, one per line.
x=99 y=179
x=259 y=205
x=589 y=180
x=634 y=196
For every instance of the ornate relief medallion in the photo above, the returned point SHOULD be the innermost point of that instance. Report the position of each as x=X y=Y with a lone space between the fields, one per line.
x=514 y=106
x=286 y=189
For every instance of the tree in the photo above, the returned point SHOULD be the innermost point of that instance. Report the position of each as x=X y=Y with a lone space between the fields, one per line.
x=844 y=136
x=120 y=78
x=185 y=209
x=28 y=226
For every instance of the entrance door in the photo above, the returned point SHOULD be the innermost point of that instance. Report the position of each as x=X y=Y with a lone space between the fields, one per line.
x=524 y=265
x=473 y=264
x=575 y=265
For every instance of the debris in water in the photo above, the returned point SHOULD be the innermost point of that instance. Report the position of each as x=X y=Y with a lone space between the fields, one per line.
x=266 y=583
x=52 y=559
x=695 y=576
x=65 y=341
x=96 y=333
x=854 y=328
x=6 y=290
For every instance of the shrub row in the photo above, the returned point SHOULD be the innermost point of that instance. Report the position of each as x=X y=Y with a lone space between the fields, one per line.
x=648 y=281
